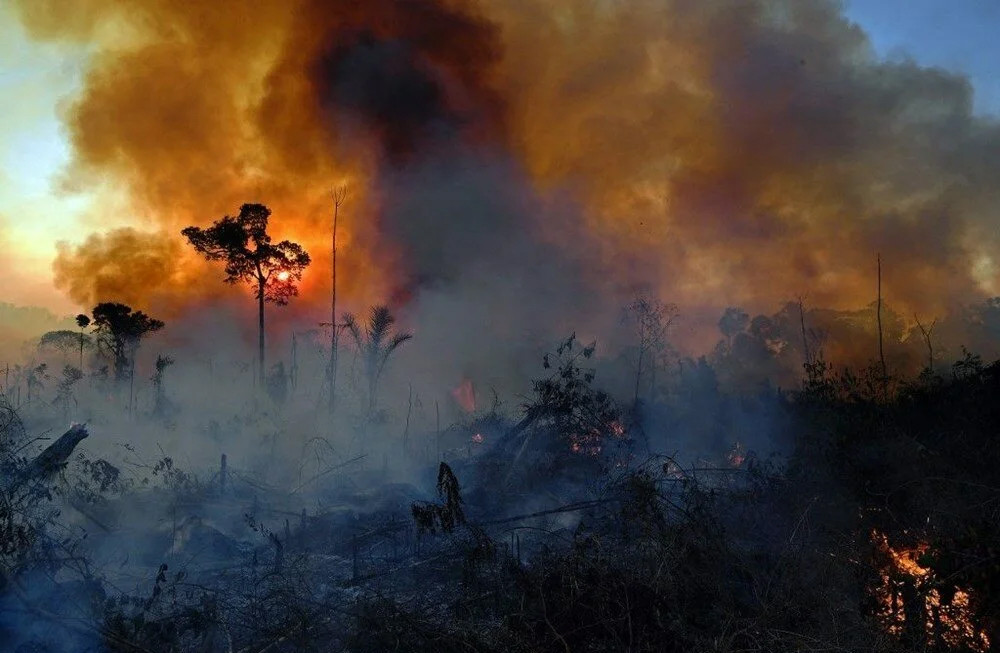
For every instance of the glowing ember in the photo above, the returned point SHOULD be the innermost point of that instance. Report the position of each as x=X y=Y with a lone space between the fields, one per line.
x=736 y=455
x=951 y=621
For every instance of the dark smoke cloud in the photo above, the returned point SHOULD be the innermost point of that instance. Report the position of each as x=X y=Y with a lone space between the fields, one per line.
x=417 y=76
x=718 y=152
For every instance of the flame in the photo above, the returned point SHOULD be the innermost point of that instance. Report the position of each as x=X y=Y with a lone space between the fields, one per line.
x=465 y=395
x=952 y=621
x=737 y=455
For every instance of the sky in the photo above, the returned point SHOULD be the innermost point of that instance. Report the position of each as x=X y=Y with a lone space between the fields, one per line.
x=37 y=211
x=958 y=35
x=34 y=212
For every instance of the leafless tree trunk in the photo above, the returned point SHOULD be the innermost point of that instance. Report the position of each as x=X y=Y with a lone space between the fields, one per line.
x=406 y=429
x=926 y=332
x=881 y=349
x=805 y=339
x=339 y=195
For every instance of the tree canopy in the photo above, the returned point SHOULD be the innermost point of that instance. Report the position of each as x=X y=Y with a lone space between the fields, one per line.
x=119 y=331
x=250 y=256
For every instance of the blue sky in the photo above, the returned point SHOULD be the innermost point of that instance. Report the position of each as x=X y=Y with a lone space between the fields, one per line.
x=962 y=35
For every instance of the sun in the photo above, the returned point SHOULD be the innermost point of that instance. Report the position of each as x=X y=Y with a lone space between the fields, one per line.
x=284 y=275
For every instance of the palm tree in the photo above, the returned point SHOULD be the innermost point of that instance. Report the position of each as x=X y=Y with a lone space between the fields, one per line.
x=375 y=343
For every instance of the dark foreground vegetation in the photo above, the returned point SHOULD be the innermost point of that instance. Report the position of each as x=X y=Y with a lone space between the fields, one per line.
x=878 y=529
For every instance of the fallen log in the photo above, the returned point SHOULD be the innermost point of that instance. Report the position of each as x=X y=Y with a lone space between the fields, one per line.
x=55 y=456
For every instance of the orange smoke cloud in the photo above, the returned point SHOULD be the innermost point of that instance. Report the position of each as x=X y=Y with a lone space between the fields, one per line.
x=123 y=265
x=721 y=152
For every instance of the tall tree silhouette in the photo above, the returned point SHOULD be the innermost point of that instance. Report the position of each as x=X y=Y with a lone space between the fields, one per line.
x=119 y=332
x=272 y=270
x=339 y=197
x=375 y=342
x=83 y=322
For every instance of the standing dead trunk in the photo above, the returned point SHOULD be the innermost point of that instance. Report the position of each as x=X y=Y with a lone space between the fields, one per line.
x=926 y=332
x=339 y=195
x=881 y=350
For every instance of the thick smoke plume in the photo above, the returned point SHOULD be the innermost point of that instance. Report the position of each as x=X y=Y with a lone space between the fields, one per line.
x=123 y=265
x=717 y=152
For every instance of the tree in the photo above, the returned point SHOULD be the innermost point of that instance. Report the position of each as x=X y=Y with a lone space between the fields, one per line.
x=339 y=197
x=652 y=320
x=37 y=376
x=375 y=344
x=243 y=244
x=735 y=320
x=64 y=342
x=161 y=404
x=64 y=391
x=83 y=322
x=119 y=331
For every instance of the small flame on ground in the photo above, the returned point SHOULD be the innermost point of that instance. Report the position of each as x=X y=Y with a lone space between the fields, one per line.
x=736 y=455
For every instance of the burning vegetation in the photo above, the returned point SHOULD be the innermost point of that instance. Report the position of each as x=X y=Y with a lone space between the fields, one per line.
x=413 y=455
x=904 y=582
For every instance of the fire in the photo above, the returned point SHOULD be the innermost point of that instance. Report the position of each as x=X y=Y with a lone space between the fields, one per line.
x=736 y=455
x=951 y=621
x=284 y=276
x=478 y=438
x=465 y=395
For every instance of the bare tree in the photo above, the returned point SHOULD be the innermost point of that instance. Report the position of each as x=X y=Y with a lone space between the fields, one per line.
x=881 y=349
x=339 y=195
x=652 y=320
x=926 y=333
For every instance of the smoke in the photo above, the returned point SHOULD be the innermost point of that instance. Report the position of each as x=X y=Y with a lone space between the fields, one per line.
x=539 y=152
x=124 y=265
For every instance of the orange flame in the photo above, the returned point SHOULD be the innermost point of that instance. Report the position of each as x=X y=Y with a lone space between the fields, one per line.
x=951 y=621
